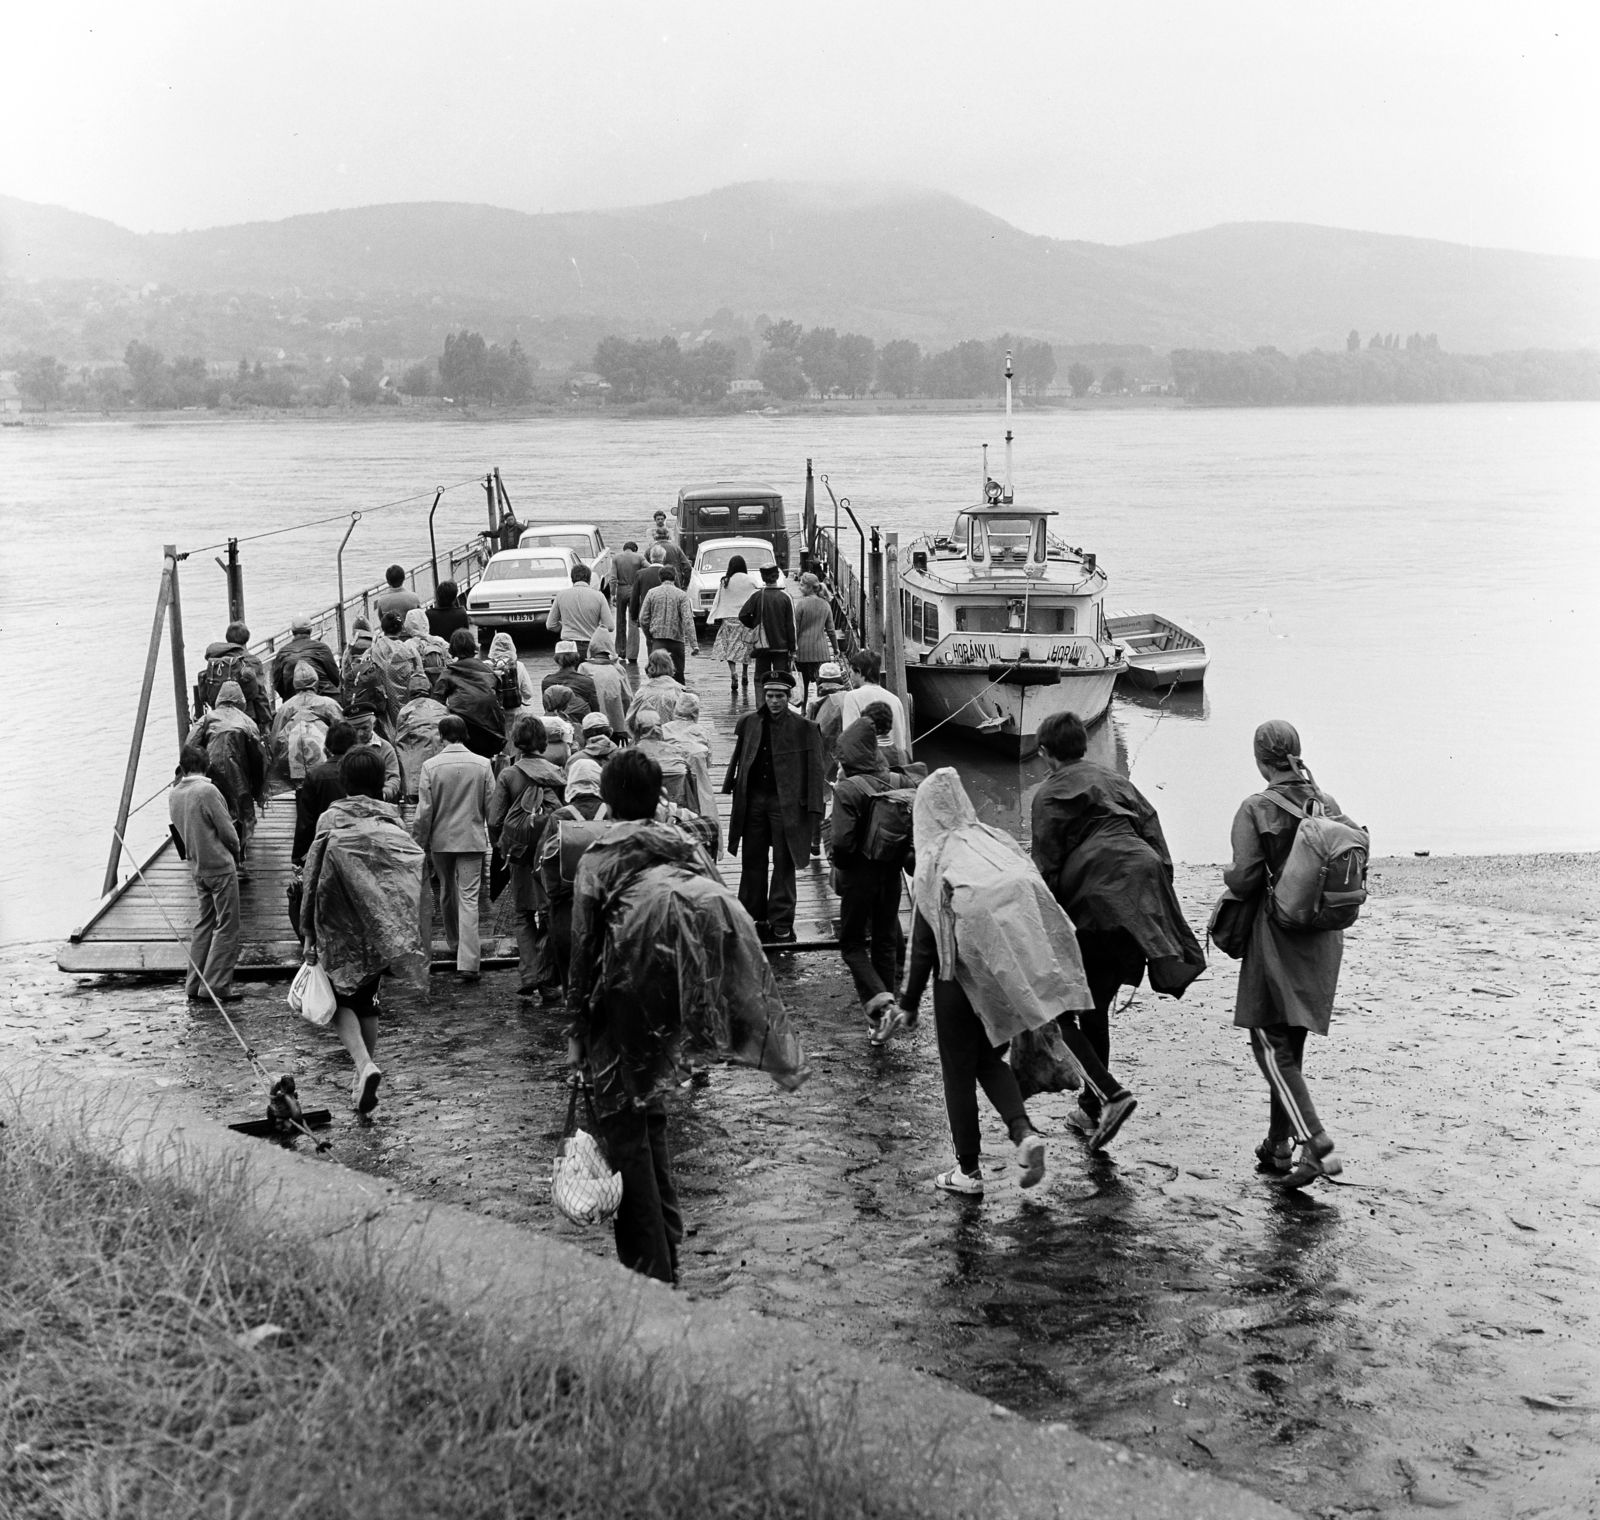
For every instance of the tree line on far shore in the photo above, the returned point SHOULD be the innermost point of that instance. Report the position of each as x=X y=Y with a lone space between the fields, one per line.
x=1383 y=371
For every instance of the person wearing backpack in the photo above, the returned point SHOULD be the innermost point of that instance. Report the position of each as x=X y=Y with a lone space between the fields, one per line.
x=229 y=660
x=871 y=842
x=298 y=739
x=1098 y=844
x=1288 y=975
x=525 y=794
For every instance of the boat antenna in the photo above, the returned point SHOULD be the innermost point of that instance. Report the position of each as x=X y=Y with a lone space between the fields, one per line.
x=983 y=490
x=1007 y=496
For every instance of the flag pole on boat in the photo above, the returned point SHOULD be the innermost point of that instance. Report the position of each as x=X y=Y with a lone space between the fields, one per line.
x=1007 y=497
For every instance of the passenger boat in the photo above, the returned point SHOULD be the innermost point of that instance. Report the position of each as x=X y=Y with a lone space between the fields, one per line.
x=1160 y=654
x=1004 y=623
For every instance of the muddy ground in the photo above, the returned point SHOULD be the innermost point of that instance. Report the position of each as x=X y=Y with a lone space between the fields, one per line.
x=1422 y=1338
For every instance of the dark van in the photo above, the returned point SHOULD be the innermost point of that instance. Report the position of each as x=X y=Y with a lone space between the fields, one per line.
x=727 y=509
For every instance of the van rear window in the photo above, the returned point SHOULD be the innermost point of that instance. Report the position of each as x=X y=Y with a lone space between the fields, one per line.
x=715 y=517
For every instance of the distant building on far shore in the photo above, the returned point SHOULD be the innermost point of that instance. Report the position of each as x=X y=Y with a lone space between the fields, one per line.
x=10 y=396
x=750 y=387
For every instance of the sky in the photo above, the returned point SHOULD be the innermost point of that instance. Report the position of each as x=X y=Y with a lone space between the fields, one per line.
x=1114 y=122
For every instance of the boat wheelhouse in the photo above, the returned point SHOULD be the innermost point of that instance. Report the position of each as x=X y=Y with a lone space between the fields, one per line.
x=1003 y=622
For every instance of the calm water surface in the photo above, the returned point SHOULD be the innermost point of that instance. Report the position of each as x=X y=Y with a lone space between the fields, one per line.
x=1413 y=587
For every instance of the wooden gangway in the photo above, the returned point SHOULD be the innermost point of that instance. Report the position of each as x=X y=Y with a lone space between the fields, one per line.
x=130 y=931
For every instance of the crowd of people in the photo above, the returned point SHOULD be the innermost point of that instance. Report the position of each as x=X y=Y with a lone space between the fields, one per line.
x=428 y=771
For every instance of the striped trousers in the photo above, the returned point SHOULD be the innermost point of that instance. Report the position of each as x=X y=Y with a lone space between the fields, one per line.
x=1279 y=1050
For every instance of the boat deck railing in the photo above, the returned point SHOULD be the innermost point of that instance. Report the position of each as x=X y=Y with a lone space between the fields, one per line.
x=462 y=564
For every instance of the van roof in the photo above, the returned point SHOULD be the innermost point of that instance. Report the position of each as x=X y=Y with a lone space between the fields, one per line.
x=727 y=488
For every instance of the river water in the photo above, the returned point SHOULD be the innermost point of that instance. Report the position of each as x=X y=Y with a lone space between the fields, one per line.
x=1413 y=587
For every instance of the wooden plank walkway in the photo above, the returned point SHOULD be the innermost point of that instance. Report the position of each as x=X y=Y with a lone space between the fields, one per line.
x=130 y=930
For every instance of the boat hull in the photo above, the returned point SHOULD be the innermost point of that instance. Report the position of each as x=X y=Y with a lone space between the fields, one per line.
x=1156 y=672
x=1005 y=716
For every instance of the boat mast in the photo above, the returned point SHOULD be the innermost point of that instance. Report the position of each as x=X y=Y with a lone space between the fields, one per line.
x=1007 y=497
x=983 y=487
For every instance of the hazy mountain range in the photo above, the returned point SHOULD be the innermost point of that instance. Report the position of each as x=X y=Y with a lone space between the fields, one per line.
x=890 y=261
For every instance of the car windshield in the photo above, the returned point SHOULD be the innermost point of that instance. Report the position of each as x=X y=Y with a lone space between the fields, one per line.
x=715 y=561
x=525 y=568
x=532 y=539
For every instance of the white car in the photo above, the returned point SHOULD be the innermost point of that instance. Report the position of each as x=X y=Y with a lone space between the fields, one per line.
x=518 y=585
x=584 y=539
x=712 y=565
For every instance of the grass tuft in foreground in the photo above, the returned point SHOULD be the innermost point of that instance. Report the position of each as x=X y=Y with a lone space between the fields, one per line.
x=131 y=1384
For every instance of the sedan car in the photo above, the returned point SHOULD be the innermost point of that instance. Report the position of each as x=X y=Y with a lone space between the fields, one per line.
x=712 y=565
x=518 y=585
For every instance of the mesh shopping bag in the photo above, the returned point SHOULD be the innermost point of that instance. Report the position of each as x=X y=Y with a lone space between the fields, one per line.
x=582 y=1184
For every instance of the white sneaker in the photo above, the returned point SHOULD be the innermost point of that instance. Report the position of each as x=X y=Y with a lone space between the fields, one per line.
x=1030 y=1157
x=958 y=1181
x=365 y=1088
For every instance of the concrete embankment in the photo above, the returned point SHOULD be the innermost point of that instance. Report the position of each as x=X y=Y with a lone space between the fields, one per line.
x=988 y=1461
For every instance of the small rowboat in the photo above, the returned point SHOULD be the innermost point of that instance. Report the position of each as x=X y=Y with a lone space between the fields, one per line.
x=1160 y=654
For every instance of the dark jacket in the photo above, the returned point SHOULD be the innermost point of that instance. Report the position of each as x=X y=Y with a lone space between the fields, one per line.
x=648 y=578
x=1284 y=977
x=864 y=775
x=471 y=690
x=320 y=787
x=579 y=684
x=525 y=771
x=796 y=768
x=771 y=614
x=443 y=621
x=316 y=654
x=625 y=567
x=1099 y=846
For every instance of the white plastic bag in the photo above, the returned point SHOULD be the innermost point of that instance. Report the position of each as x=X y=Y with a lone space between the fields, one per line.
x=582 y=1184
x=311 y=994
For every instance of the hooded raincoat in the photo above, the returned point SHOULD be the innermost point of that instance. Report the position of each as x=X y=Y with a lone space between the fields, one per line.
x=1099 y=845
x=363 y=884
x=417 y=737
x=666 y=964
x=306 y=706
x=997 y=929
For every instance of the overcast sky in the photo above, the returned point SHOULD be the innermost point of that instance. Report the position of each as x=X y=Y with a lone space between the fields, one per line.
x=1111 y=121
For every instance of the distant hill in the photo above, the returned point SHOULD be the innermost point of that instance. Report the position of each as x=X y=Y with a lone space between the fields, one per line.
x=888 y=260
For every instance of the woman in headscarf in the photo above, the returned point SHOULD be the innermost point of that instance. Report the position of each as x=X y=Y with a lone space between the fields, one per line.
x=359 y=913
x=300 y=727
x=528 y=814
x=398 y=655
x=694 y=744
x=582 y=802
x=650 y=739
x=735 y=644
x=610 y=684
x=417 y=733
x=659 y=692
x=1287 y=979
x=1003 y=959
x=236 y=759
x=1099 y=845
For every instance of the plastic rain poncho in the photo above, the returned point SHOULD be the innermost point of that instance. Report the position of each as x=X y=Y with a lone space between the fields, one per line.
x=999 y=932
x=416 y=737
x=666 y=963
x=363 y=885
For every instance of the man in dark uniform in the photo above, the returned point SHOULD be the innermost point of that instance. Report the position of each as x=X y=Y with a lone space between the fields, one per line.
x=776 y=780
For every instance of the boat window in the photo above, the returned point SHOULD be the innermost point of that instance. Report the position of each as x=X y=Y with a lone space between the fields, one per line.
x=984 y=618
x=916 y=618
x=579 y=542
x=930 y=623
x=524 y=569
x=715 y=561
x=1052 y=619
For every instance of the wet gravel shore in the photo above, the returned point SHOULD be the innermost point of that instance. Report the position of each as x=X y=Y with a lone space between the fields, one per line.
x=1422 y=1338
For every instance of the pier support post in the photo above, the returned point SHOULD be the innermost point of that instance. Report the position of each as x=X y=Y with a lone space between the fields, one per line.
x=873 y=631
x=809 y=521
x=180 y=674
x=894 y=647
x=125 y=803
x=235 y=573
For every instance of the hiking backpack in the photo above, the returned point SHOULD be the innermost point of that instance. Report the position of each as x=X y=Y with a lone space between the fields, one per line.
x=1323 y=882
x=435 y=656
x=887 y=839
x=305 y=742
x=509 y=687
x=524 y=820
x=220 y=670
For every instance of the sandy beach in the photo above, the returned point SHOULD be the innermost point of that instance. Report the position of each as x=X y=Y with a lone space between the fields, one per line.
x=1423 y=1336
